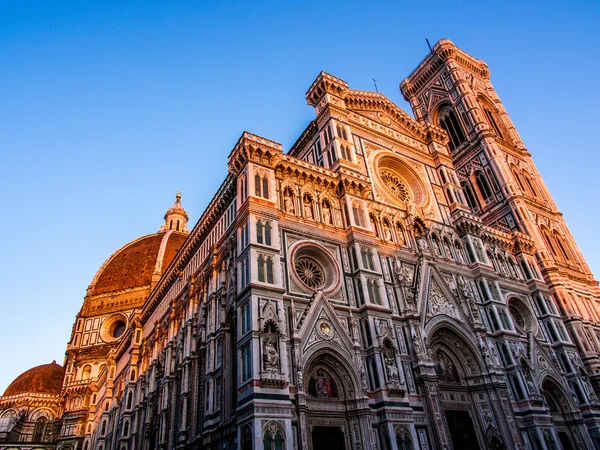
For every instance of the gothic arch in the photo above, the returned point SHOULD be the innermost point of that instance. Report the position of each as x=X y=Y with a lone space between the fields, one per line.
x=341 y=368
x=493 y=116
x=455 y=338
x=549 y=384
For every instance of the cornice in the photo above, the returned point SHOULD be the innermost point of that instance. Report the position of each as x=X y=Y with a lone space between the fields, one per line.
x=442 y=51
x=251 y=147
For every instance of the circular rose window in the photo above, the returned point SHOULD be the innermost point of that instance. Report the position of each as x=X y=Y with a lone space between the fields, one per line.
x=314 y=267
x=517 y=316
x=310 y=272
x=398 y=181
x=395 y=184
x=521 y=315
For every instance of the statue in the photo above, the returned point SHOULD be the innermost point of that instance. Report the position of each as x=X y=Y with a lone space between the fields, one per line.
x=327 y=214
x=270 y=356
x=308 y=212
x=404 y=275
x=363 y=376
x=288 y=203
x=391 y=369
x=422 y=242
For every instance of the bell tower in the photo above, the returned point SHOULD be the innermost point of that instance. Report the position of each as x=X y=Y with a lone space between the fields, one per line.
x=502 y=186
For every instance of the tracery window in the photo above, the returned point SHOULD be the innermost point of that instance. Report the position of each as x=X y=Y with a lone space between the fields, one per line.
x=483 y=186
x=345 y=152
x=529 y=184
x=263 y=232
x=261 y=185
x=515 y=173
x=373 y=290
x=403 y=441
x=265 y=268
x=471 y=200
x=493 y=123
x=395 y=184
x=367 y=258
x=449 y=122
x=309 y=271
x=246 y=365
x=246 y=318
x=341 y=132
x=548 y=240
x=562 y=246
x=243 y=187
x=271 y=442
x=246 y=443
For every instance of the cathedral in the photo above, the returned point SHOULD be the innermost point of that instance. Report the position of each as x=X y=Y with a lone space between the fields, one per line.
x=388 y=283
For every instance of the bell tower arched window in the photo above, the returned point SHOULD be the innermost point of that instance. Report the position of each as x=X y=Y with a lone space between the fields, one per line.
x=449 y=122
x=261 y=186
x=483 y=186
x=471 y=200
x=492 y=121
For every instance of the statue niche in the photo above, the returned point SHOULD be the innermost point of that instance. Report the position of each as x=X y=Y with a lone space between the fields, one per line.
x=288 y=201
x=270 y=347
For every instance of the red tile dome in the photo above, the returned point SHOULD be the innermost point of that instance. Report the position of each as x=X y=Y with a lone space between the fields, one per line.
x=44 y=379
x=135 y=264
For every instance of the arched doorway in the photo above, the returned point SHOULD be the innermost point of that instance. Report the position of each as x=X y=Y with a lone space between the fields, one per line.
x=332 y=405
x=470 y=418
x=558 y=406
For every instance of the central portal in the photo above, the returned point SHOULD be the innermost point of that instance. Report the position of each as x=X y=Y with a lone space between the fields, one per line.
x=327 y=438
x=462 y=430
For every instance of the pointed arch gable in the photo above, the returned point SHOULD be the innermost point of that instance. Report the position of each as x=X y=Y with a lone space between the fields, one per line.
x=311 y=341
x=430 y=273
x=435 y=327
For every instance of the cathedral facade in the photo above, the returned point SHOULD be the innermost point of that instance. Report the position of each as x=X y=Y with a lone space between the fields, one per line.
x=386 y=283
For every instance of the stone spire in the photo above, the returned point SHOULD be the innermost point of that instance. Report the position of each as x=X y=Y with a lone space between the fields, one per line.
x=176 y=218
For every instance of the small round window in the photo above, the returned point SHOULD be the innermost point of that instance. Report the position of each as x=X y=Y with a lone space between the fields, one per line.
x=113 y=328
x=117 y=329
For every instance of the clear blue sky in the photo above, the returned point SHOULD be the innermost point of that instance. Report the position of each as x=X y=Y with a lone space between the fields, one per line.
x=108 y=108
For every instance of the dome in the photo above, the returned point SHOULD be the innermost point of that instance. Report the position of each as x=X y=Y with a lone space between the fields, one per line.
x=138 y=263
x=44 y=379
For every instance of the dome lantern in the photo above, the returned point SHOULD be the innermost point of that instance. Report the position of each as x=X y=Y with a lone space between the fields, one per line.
x=176 y=217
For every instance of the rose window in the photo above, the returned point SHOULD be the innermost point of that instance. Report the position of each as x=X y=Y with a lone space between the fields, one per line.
x=516 y=315
x=395 y=184
x=310 y=272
